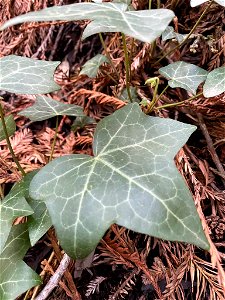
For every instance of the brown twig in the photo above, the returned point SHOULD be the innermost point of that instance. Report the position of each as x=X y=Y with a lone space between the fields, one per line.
x=211 y=148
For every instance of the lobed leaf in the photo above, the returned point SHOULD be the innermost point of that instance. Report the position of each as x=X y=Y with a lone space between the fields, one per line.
x=144 y=25
x=91 y=67
x=16 y=277
x=23 y=75
x=215 y=83
x=132 y=180
x=184 y=75
x=45 y=108
x=10 y=126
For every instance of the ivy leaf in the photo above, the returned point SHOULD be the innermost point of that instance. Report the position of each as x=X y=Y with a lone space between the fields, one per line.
x=91 y=67
x=39 y=222
x=12 y=206
x=81 y=122
x=198 y=2
x=45 y=108
x=184 y=75
x=169 y=34
x=18 y=203
x=16 y=277
x=134 y=95
x=144 y=25
x=132 y=180
x=10 y=126
x=215 y=83
x=23 y=75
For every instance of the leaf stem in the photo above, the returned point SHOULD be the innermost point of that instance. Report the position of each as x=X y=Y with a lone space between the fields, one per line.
x=54 y=139
x=178 y=103
x=187 y=37
x=9 y=143
x=127 y=67
x=108 y=55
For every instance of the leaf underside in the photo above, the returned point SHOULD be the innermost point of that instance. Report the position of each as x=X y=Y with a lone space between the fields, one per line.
x=144 y=25
x=132 y=180
x=215 y=83
x=16 y=277
x=23 y=75
x=10 y=127
x=45 y=108
x=184 y=75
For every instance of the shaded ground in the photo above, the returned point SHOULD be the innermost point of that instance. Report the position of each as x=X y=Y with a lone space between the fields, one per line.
x=125 y=264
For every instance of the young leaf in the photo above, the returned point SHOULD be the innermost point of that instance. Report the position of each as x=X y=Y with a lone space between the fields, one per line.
x=132 y=180
x=10 y=126
x=16 y=277
x=80 y=122
x=91 y=67
x=169 y=34
x=198 y=2
x=144 y=25
x=24 y=75
x=184 y=75
x=215 y=83
x=45 y=108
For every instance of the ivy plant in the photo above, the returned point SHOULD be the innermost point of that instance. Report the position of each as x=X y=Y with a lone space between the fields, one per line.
x=131 y=179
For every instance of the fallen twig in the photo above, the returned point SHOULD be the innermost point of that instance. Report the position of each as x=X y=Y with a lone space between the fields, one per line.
x=54 y=280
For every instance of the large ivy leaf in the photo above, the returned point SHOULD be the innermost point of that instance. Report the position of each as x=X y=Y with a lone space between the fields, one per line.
x=10 y=126
x=215 y=83
x=144 y=25
x=198 y=2
x=91 y=67
x=24 y=75
x=131 y=180
x=184 y=75
x=45 y=108
x=16 y=277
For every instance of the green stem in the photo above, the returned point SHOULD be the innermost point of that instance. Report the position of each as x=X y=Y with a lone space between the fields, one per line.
x=108 y=55
x=163 y=91
x=150 y=4
x=179 y=103
x=127 y=67
x=54 y=139
x=187 y=37
x=9 y=143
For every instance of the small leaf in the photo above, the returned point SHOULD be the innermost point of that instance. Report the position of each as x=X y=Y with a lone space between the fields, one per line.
x=215 y=83
x=10 y=126
x=24 y=75
x=169 y=34
x=12 y=206
x=91 y=67
x=18 y=203
x=133 y=91
x=80 y=122
x=198 y=2
x=144 y=25
x=45 y=108
x=16 y=277
x=184 y=75
x=132 y=180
